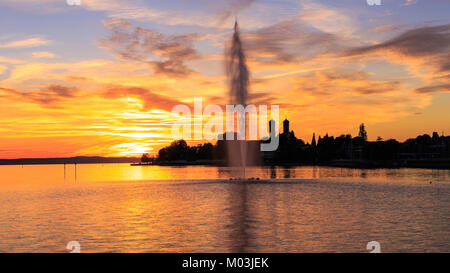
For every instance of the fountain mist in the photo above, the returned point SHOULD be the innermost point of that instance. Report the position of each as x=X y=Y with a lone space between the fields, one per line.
x=237 y=70
x=238 y=76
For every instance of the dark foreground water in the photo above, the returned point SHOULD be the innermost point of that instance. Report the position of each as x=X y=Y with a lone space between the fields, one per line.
x=119 y=208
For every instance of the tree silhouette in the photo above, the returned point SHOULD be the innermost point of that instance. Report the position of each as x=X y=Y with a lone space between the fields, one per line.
x=345 y=150
x=145 y=158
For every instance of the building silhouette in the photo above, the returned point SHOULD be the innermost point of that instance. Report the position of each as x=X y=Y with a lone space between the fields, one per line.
x=346 y=151
x=286 y=126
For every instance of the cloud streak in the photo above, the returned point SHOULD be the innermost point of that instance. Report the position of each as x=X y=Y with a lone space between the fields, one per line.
x=30 y=42
x=151 y=100
x=43 y=55
x=47 y=96
x=166 y=54
x=288 y=41
x=338 y=82
x=428 y=45
x=418 y=42
x=442 y=88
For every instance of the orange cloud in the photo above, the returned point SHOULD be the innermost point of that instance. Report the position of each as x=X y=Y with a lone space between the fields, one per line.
x=141 y=45
x=150 y=99
x=30 y=42
x=433 y=89
x=47 y=96
x=43 y=55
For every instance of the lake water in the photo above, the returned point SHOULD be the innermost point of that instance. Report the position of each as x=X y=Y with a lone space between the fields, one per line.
x=123 y=208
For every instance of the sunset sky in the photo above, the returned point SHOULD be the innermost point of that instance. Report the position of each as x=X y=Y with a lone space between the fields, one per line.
x=101 y=78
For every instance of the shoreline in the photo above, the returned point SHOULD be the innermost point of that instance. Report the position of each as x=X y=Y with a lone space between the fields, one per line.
x=441 y=164
x=417 y=164
x=69 y=160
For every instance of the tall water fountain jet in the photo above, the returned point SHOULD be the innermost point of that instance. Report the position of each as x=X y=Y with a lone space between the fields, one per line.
x=238 y=76
x=237 y=70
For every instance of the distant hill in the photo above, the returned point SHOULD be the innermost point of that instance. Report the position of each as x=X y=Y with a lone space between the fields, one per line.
x=69 y=160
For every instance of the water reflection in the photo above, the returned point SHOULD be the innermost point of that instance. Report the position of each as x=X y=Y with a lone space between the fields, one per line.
x=287 y=172
x=273 y=172
x=363 y=174
x=314 y=172
x=119 y=208
x=51 y=175
x=239 y=217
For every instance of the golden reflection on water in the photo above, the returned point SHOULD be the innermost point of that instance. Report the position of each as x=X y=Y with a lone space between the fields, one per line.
x=120 y=208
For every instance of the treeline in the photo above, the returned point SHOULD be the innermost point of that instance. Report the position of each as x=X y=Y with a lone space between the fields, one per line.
x=324 y=150
x=179 y=150
x=329 y=149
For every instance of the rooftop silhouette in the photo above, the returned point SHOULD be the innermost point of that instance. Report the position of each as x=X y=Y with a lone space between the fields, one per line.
x=345 y=150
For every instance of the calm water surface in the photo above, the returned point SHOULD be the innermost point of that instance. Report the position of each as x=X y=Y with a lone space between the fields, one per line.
x=120 y=208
